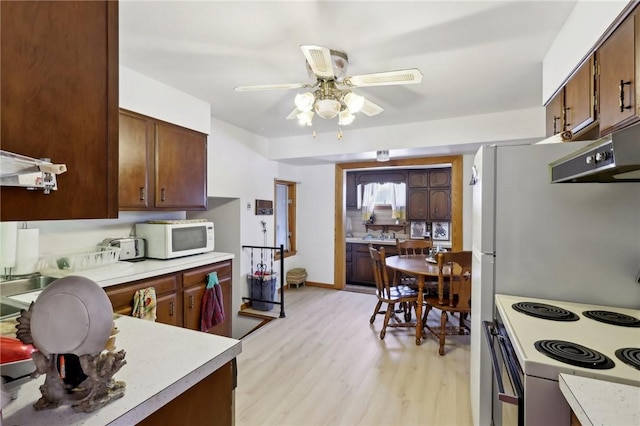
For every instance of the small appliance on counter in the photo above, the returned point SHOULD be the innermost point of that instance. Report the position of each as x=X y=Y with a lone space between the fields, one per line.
x=168 y=239
x=132 y=249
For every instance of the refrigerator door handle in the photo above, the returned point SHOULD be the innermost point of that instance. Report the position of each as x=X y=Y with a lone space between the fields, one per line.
x=474 y=175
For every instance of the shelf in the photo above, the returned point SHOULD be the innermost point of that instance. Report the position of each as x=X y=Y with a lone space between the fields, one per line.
x=386 y=226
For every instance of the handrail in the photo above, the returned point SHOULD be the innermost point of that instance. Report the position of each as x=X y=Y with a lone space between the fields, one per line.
x=281 y=251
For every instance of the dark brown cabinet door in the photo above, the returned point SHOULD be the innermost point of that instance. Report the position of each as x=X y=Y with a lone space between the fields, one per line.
x=554 y=113
x=194 y=282
x=349 y=263
x=419 y=178
x=362 y=269
x=191 y=306
x=167 y=309
x=618 y=76
x=352 y=191
x=439 y=204
x=418 y=204
x=579 y=109
x=181 y=167
x=439 y=178
x=136 y=162
x=59 y=86
x=166 y=288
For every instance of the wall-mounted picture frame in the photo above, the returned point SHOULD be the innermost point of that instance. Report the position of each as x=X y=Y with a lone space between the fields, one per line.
x=440 y=231
x=418 y=229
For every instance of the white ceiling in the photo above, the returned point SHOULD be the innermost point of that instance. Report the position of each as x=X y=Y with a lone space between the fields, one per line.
x=476 y=56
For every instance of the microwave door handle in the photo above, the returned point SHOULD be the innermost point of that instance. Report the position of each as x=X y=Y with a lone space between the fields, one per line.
x=502 y=396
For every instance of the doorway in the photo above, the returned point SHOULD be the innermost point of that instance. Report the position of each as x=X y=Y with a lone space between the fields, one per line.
x=340 y=200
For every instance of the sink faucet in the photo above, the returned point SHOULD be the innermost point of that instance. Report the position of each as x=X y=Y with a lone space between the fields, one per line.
x=381 y=235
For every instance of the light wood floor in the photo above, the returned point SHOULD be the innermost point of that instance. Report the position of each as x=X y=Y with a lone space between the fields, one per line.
x=324 y=364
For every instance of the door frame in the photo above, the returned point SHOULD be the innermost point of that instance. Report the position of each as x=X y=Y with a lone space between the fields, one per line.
x=339 y=278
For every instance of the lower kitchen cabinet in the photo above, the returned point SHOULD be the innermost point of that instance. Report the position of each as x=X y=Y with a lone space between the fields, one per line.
x=167 y=288
x=194 y=283
x=210 y=401
x=178 y=296
x=361 y=268
x=348 y=263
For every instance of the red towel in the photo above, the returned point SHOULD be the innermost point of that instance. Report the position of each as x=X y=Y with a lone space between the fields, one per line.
x=212 y=312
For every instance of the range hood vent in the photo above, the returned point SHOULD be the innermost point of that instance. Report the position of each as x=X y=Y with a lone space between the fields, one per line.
x=613 y=158
x=30 y=173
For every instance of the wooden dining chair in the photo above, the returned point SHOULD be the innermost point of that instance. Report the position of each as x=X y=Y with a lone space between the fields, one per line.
x=454 y=295
x=388 y=294
x=412 y=248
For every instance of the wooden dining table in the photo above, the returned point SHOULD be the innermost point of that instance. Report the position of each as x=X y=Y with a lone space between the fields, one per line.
x=418 y=266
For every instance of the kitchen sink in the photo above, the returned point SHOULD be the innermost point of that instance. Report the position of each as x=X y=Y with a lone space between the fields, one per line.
x=24 y=285
x=10 y=308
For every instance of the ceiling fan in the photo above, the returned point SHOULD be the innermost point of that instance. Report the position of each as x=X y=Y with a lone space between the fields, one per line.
x=331 y=93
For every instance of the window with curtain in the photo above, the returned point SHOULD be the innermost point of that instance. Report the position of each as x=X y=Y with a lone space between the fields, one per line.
x=388 y=194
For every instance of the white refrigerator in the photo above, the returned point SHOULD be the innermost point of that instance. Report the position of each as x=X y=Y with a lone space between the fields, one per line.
x=576 y=242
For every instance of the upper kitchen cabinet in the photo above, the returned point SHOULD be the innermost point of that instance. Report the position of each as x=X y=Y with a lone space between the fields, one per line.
x=162 y=166
x=418 y=178
x=440 y=178
x=579 y=95
x=573 y=107
x=554 y=113
x=619 y=71
x=59 y=86
x=352 y=191
x=439 y=204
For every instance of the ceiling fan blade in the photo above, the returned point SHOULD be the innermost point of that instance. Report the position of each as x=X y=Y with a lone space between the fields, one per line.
x=371 y=109
x=319 y=59
x=293 y=114
x=272 y=87
x=409 y=76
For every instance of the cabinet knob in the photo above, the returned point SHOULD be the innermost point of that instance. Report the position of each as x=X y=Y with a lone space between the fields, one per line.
x=143 y=193
x=191 y=302
x=171 y=308
x=162 y=194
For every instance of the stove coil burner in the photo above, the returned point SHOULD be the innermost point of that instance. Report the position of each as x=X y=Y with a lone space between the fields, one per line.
x=630 y=356
x=613 y=318
x=574 y=354
x=544 y=311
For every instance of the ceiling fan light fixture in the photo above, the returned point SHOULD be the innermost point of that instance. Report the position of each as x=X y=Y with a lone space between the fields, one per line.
x=327 y=108
x=304 y=101
x=345 y=117
x=305 y=118
x=382 y=155
x=354 y=102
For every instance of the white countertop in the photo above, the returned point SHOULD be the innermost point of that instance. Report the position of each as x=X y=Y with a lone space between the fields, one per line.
x=598 y=402
x=121 y=272
x=163 y=361
x=390 y=241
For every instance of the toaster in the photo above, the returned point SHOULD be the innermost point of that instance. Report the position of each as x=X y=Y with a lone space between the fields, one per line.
x=131 y=249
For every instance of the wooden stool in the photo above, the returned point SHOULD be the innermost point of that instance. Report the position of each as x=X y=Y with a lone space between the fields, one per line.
x=296 y=276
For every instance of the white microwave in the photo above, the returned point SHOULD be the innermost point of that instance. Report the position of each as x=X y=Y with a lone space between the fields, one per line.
x=168 y=239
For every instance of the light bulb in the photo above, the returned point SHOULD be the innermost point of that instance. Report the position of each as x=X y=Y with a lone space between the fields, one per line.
x=345 y=118
x=304 y=101
x=354 y=102
x=305 y=118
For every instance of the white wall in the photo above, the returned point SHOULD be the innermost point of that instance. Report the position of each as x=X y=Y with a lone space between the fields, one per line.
x=150 y=97
x=441 y=137
x=586 y=24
